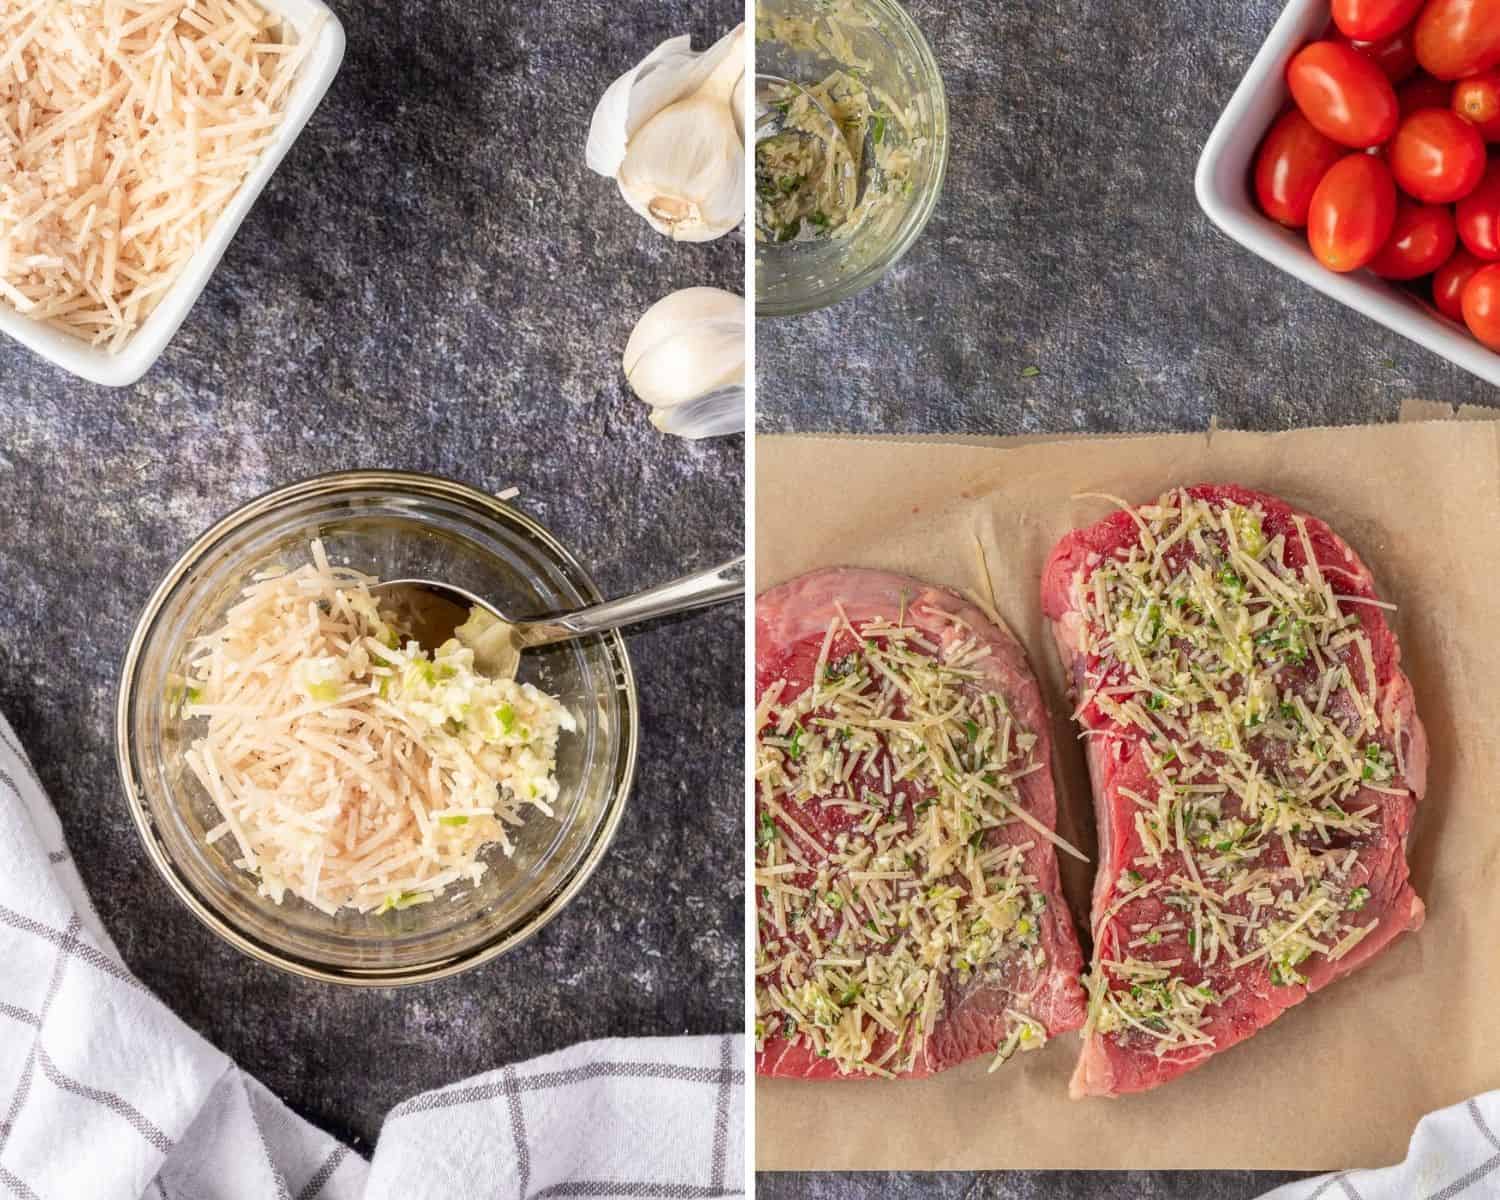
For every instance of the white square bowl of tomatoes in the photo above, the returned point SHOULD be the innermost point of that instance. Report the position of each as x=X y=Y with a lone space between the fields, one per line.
x=1361 y=153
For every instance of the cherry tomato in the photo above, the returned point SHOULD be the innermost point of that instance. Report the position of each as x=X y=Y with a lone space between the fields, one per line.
x=1352 y=213
x=1421 y=241
x=1292 y=162
x=1482 y=305
x=1458 y=38
x=1345 y=95
x=1479 y=216
x=1477 y=101
x=1423 y=92
x=1449 y=283
x=1396 y=55
x=1372 y=20
x=1437 y=156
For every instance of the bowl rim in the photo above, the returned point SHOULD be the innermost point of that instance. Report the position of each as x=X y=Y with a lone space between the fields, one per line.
x=1221 y=185
x=147 y=344
x=868 y=276
x=333 y=482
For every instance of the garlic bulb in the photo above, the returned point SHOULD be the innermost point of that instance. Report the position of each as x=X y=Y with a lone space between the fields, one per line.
x=686 y=358
x=670 y=132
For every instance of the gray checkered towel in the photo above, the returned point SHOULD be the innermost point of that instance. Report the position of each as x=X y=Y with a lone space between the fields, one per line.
x=1454 y=1155
x=106 y=1095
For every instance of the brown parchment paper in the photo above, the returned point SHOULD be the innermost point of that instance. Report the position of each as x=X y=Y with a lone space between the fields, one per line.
x=1339 y=1081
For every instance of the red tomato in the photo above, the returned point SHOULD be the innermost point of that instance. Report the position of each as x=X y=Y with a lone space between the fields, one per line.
x=1482 y=305
x=1372 y=20
x=1396 y=55
x=1424 y=92
x=1449 y=283
x=1479 y=216
x=1345 y=95
x=1292 y=162
x=1477 y=101
x=1421 y=241
x=1437 y=156
x=1352 y=213
x=1458 y=38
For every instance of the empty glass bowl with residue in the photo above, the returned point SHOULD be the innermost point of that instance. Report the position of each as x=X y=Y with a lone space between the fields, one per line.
x=870 y=65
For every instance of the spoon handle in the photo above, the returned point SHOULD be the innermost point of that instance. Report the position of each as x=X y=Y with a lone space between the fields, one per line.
x=699 y=590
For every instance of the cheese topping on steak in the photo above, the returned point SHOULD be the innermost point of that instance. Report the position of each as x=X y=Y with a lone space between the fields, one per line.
x=1249 y=679
x=894 y=853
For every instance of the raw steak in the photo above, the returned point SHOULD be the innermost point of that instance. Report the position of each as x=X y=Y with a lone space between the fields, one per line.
x=1256 y=759
x=959 y=979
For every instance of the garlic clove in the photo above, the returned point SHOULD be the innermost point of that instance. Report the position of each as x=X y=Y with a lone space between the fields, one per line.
x=670 y=72
x=738 y=105
x=684 y=179
x=670 y=314
x=719 y=413
x=682 y=367
x=685 y=345
x=686 y=358
x=609 y=131
x=671 y=135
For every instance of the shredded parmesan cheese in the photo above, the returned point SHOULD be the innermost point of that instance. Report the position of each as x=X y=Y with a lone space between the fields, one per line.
x=126 y=127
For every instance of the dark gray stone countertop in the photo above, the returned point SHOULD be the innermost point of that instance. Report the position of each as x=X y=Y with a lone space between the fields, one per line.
x=1068 y=239
x=432 y=281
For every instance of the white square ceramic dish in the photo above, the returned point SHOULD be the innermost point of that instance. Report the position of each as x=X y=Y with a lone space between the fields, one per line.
x=145 y=345
x=1223 y=186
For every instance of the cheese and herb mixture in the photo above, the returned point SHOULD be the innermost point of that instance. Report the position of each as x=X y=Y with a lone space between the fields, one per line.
x=1254 y=690
x=350 y=766
x=807 y=176
x=129 y=126
x=891 y=845
x=837 y=132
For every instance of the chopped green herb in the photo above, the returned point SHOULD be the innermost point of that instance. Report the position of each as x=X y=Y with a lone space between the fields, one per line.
x=400 y=900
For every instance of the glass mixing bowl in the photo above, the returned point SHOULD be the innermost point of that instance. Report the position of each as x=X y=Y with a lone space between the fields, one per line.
x=395 y=526
x=894 y=60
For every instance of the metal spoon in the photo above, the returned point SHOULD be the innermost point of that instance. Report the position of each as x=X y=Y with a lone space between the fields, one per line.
x=430 y=612
x=772 y=94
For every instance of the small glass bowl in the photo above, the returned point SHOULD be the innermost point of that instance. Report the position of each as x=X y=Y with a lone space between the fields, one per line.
x=393 y=525
x=799 y=277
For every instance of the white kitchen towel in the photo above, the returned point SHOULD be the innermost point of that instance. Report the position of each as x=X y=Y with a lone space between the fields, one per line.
x=1454 y=1155
x=106 y=1095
